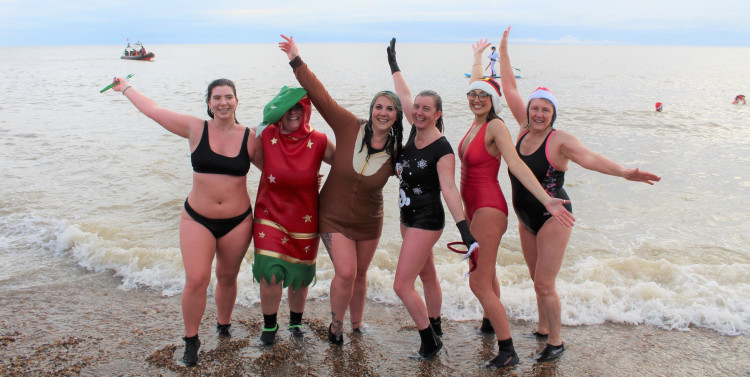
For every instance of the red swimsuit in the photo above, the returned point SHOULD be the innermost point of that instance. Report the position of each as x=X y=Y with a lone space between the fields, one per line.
x=479 y=185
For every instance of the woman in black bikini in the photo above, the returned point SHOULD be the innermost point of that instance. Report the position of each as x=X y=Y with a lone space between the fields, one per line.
x=216 y=220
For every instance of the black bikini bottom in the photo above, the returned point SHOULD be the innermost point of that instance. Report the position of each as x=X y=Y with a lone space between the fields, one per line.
x=217 y=227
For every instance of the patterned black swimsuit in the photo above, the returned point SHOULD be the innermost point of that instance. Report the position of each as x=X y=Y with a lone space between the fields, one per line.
x=419 y=193
x=530 y=212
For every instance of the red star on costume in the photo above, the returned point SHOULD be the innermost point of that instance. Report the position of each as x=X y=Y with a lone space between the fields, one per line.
x=272 y=179
x=274 y=141
x=307 y=218
x=262 y=235
x=309 y=144
x=284 y=240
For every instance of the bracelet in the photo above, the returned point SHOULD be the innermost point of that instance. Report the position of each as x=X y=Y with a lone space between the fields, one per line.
x=126 y=88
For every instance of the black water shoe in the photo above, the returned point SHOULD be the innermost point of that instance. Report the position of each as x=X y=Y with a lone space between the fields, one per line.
x=190 y=358
x=297 y=330
x=437 y=325
x=268 y=336
x=503 y=359
x=223 y=330
x=486 y=327
x=549 y=352
x=335 y=338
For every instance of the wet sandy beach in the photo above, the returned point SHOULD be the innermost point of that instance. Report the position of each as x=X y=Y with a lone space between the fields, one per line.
x=90 y=327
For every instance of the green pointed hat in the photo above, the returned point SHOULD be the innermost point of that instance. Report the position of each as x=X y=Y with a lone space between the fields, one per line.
x=279 y=105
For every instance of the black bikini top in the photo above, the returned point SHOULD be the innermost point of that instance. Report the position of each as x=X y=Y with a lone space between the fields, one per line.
x=207 y=161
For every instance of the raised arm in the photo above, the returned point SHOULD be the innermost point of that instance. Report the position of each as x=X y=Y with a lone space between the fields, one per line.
x=501 y=137
x=508 y=80
x=574 y=150
x=335 y=115
x=176 y=123
x=476 y=69
x=402 y=90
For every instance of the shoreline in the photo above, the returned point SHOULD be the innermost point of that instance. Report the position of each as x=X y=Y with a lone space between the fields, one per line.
x=89 y=326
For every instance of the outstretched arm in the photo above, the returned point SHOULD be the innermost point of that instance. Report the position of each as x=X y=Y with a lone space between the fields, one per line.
x=178 y=124
x=574 y=150
x=476 y=69
x=402 y=90
x=502 y=139
x=508 y=80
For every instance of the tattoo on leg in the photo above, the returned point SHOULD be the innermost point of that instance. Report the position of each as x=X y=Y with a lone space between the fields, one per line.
x=326 y=238
x=337 y=327
x=355 y=325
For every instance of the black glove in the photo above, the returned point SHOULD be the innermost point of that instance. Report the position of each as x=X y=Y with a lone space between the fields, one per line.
x=392 y=56
x=466 y=236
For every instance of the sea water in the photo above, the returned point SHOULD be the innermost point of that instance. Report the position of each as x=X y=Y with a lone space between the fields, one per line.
x=90 y=185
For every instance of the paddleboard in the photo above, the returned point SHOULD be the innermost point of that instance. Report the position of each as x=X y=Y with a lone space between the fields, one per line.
x=494 y=77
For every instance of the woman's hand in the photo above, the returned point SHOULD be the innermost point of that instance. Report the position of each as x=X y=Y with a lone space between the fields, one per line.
x=392 y=56
x=504 y=41
x=121 y=84
x=555 y=207
x=641 y=176
x=480 y=46
x=289 y=47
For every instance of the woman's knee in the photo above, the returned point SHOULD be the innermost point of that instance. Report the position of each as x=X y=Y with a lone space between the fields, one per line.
x=480 y=284
x=346 y=276
x=227 y=276
x=402 y=287
x=544 y=287
x=197 y=283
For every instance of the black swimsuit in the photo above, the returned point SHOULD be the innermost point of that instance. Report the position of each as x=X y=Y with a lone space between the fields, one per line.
x=531 y=213
x=205 y=160
x=419 y=194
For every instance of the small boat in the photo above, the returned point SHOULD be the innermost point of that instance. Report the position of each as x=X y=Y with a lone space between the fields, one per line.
x=137 y=52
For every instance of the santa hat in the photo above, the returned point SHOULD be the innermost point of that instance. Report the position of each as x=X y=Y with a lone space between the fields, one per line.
x=491 y=87
x=542 y=92
x=658 y=106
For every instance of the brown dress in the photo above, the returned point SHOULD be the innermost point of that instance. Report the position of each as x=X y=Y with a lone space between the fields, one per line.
x=351 y=200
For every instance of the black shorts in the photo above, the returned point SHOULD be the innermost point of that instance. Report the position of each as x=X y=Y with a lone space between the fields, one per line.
x=424 y=212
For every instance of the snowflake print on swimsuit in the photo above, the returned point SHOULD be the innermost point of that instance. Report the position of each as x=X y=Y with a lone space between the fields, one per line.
x=417 y=190
x=422 y=164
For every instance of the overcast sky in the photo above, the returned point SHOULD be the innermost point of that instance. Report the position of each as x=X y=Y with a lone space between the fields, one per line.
x=640 y=22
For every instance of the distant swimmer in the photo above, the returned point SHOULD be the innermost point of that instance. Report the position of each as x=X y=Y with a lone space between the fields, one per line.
x=739 y=100
x=659 y=106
